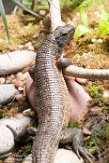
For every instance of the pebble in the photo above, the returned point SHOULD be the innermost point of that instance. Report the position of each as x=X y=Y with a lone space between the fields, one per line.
x=7 y=92
x=18 y=125
x=13 y=81
x=10 y=159
x=20 y=88
x=19 y=97
x=29 y=113
x=22 y=77
x=2 y=80
x=25 y=75
x=31 y=48
x=67 y=156
x=28 y=159
x=99 y=40
x=28 y=44
x=94 y=40
x=19 y=76
x=19 y=60
x=20 y=47
x=42 y=12
x=8 y=81
x=6 y=140
x=12 y=76
x=106 y=94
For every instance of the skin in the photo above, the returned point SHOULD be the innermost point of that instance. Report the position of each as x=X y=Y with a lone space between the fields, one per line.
x=79 y=97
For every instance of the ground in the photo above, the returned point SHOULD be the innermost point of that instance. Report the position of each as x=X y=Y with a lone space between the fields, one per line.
x=85 y=52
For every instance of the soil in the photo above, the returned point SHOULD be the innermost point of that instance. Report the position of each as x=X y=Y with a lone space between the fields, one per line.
x=83 y=52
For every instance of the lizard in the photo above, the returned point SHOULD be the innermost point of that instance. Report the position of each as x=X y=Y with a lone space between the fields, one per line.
x=53 y=101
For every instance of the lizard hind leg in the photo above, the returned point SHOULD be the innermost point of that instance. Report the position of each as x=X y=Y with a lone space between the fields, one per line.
x=75 y=136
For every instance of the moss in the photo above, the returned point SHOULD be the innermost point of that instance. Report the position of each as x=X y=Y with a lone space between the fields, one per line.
x=94 y=90
x=73 y=125
x=104 y=133
x=26 y=150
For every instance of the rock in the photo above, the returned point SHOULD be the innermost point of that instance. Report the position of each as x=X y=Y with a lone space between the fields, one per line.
x=2 y=80
x=42 y=12
x=62 y=156
x=18 y=124
x=10 y=159
x=31 y=48
x=94 y=40
x=7 y=92
x=25 y=75
x=106 y=94
x=15 y=61
x=19 y=76
x=67 y=156
x=8 y=81
x=19 y=83
x=20 y=88
x=28 y=159
x=11 y=129
x=29 y=113
x=28 y=44
x=13 y=81
x=100 y=40
x=12 y=76
x=19 y=97
x=6 y=141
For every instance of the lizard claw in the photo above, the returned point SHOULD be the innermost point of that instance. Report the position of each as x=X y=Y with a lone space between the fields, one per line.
x=83 y=152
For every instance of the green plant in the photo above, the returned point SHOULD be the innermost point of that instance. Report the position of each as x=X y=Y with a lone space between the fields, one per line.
x=2 y=11
x=103 y=27
x=21 y=5
x=27 y=150
x=73 y=125
x=83 y=28
x=94 y=90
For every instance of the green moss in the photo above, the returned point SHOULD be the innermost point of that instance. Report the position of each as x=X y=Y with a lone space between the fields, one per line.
x=94 y=90
x=91 y=145
x=73 y=125
x=27 y=150
x=104 y=133
x=93 y=150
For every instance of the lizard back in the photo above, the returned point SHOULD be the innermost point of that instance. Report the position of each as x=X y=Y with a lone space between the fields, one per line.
x=53 y=103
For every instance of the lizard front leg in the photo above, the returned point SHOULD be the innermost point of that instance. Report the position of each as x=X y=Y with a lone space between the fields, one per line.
x=75 y=136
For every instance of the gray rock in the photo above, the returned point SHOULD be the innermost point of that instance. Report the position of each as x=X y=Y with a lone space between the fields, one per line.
x=6 y=141
x=7 y=92
x=11 y=129
x=15 y=61
x=28 y=159
x=67 y=156
x=17 y=124
x=2 y=80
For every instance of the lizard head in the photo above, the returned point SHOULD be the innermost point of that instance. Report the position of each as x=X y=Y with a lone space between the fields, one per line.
x=63 y=34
